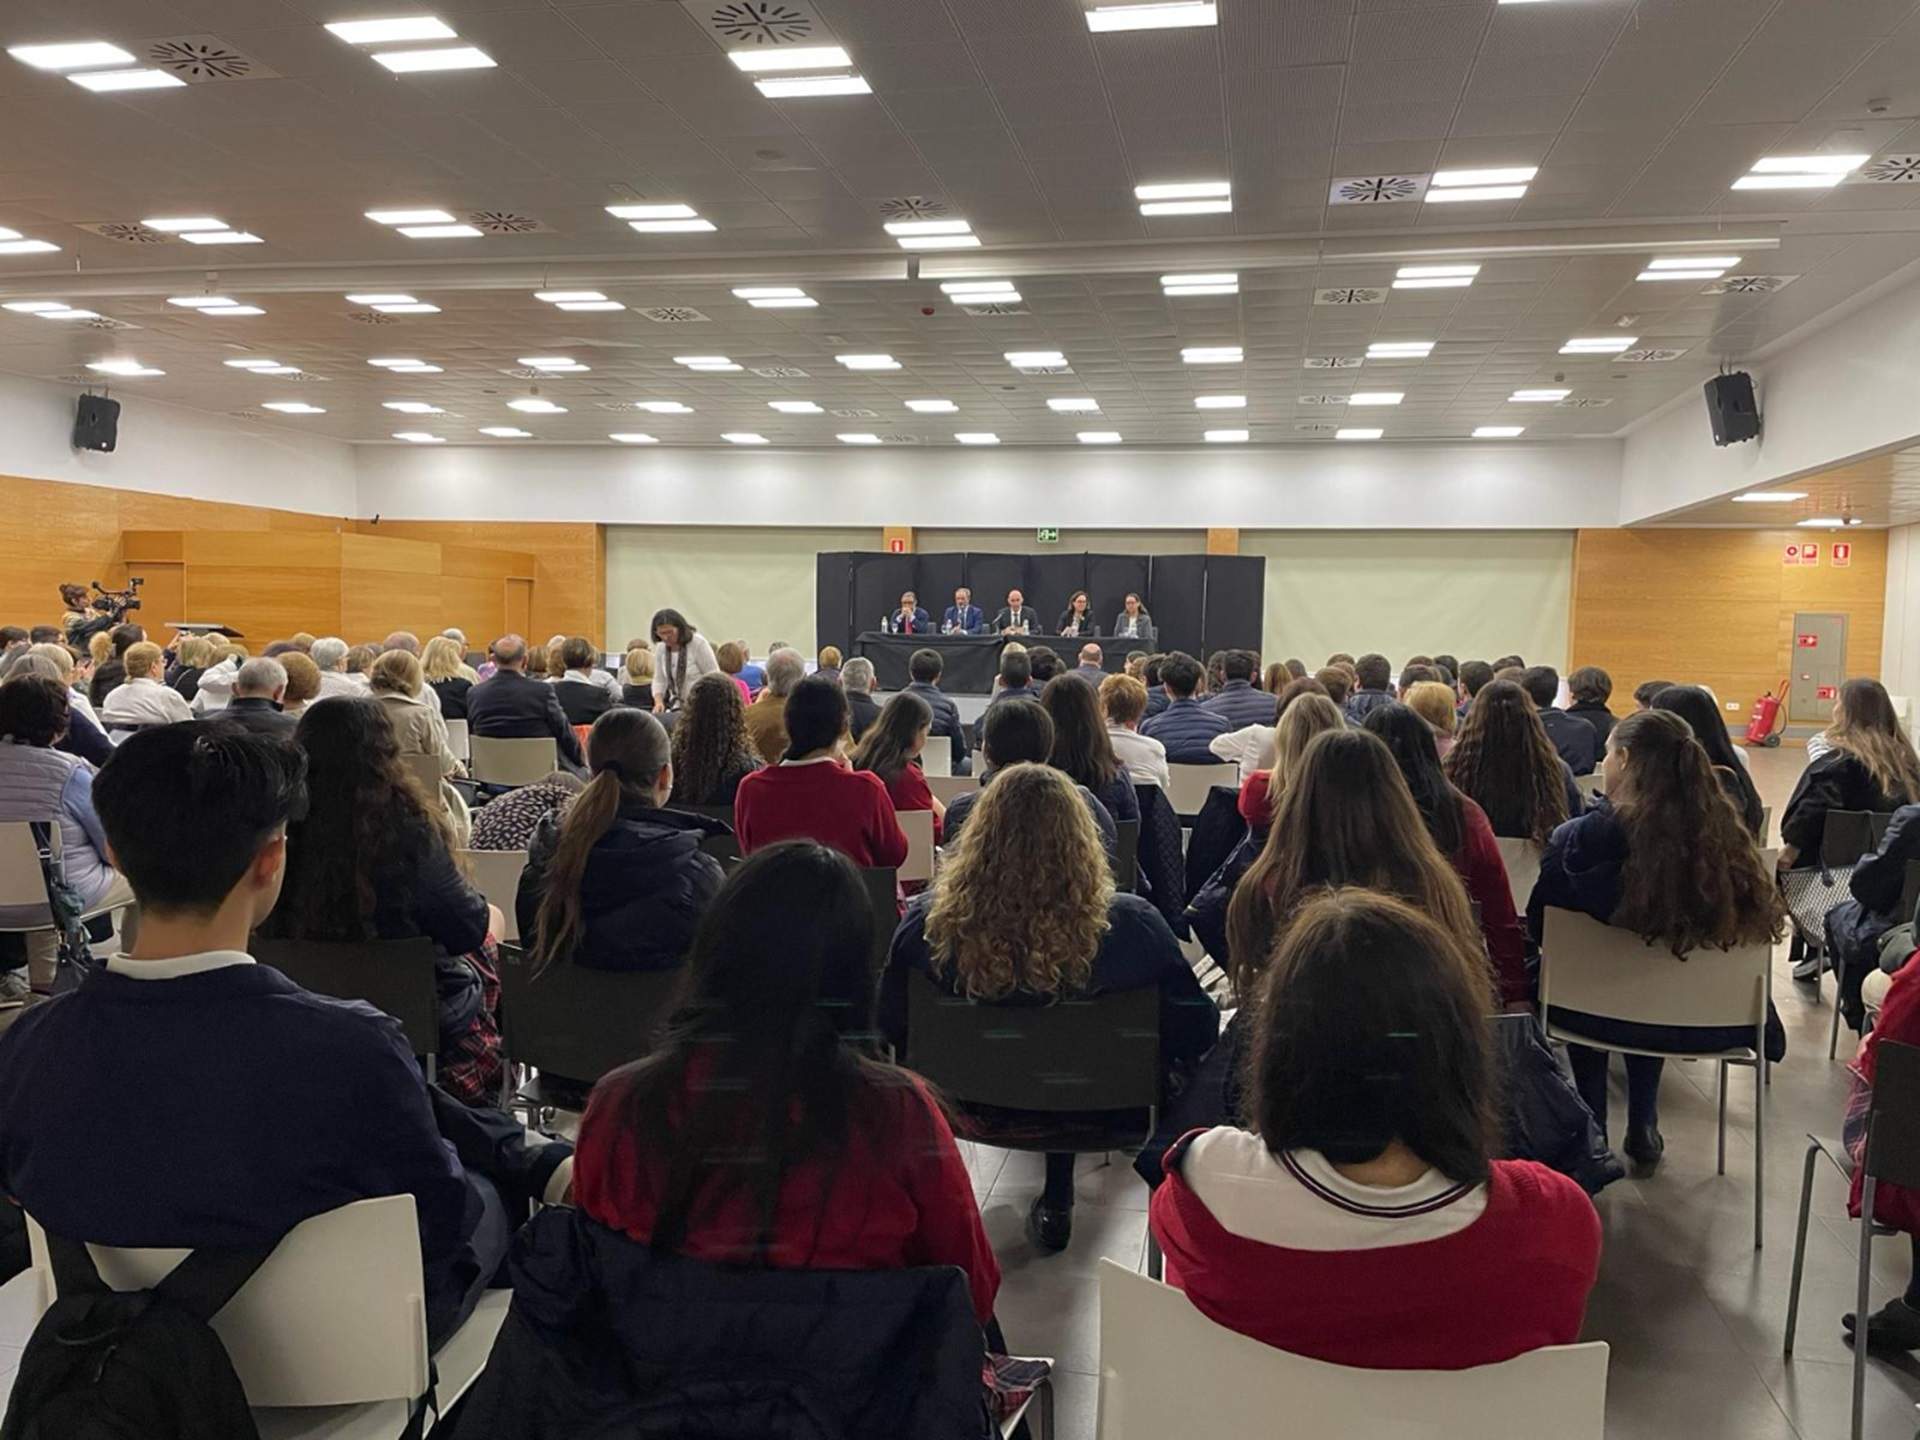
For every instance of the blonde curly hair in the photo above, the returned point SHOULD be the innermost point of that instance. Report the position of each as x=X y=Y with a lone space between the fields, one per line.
x=989 y=925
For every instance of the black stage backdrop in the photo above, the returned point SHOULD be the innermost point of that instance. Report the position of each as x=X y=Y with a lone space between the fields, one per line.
x=1200 y=603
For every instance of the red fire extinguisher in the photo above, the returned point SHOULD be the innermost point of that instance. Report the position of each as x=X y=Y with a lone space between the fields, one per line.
x=1766 y=710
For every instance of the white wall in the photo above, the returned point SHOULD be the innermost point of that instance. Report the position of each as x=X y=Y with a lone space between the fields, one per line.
x=1900 y=639
x=171 y=450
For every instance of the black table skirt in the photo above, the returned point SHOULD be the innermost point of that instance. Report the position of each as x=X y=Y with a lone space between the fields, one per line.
x=972 y=661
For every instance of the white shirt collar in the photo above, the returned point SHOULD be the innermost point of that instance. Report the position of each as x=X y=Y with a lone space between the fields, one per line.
x=175 y=966
x=816 y=760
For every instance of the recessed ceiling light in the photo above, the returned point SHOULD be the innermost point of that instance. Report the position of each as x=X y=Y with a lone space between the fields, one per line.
x=1476 y=192
x=802 y=87
x=181 y=225
x=71 y=56
x=122 y=367
x=927 y=227
x=800 y=57
x=278 y=370
x=1036 y=359
x=415 y=307
x=1185 y=190
x=1099 y=437
x=387 y=362
x=202 y=302
x=1219 y=402
x=868 y=362
x=75 y=314
x=1225 y=437
x=108 y=81
x=858 y=439
x=1358 y=432
x=743 y=437
x=506 y=432
x=534 y=405
x=1081 y=406
x=671 y=227
x=1212 y=355
x=653 y=212
x=253 y=363
x=977 y=287
x=563 y=297
x=1186 y=207
x=1498 y=432
x=1376 y=397
x=36 y=307
x=1507 y=175
x=708 y=364
x=1545 y=396
x=293 y=407
x=416 y=369
x=419 y=437
x=1599 y=344
x=221 y=237
x=410 y=407
x=394 y=298
x=437 y=232
x=938 y=242
x=451 y=57
x=633 y=437
x=1693 y=262
x=1679 y=274
x=548 y=362
x=794 y=407
x=976 y=437
x=26 y=247
x=406 y=27
x=768 y=292
x=1163 y=15
x=785 y=302
x=1399 y=349
x=1434 y=277
x=1222 y=283
x=226 y=312
x=663 y=407
x=933 y=407
x=1824 y=522
x=1769 y=497
x=409 y=217
x=1808 y=164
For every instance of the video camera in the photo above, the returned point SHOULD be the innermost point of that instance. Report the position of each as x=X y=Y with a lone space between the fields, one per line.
x=106 y=609
x=117 y=603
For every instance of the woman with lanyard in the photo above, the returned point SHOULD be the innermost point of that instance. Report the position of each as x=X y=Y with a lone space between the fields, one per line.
x=680 y=657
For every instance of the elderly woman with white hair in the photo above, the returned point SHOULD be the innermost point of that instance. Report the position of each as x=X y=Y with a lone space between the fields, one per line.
x=329 y=653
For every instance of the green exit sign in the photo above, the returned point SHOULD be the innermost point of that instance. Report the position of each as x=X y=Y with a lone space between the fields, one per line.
x=1047 y=535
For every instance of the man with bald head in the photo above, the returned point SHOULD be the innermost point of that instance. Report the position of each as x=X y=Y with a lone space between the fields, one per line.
x=512 y=706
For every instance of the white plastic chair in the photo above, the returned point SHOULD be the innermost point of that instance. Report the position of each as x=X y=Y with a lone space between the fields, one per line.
x=919 y=827
x=937 y=756
x=459 y=738
x=1613 y=974
x=513 y=762
x=949 y=788
x=336 y=1317
x=1522 y=859
x=22 y=885
x=496 y=874
x=1590 y=785
x=1193 y=783
x=1166 y=1369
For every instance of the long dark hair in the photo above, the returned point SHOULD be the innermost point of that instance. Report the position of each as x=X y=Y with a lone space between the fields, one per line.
x=1411 y=740
x=1869 y=730
x=816 y=716
x=1081 y=745
x=1702 y=713
x=710 y=745
x=1504 y=763
x=770 y=1062
x=625 y=750
x=682 y=630
x=1693 y=877
x=883 y=749
x=674 y=680
x=366 y=822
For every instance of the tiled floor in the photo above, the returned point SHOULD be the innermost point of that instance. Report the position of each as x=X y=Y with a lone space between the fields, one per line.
x=1694 y=1314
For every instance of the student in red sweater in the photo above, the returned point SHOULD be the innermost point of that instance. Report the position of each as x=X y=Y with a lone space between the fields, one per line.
x=812 y=794
x=891 y=749
x=1461 y=829
x=763 y=1131
x=1362 y=1222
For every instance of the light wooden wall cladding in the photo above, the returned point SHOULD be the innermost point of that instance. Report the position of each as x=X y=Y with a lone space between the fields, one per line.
x=569 y=571
x=1716 y=607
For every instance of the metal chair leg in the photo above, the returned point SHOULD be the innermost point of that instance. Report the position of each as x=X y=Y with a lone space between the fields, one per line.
x=1720 y=1165
x=1833 y=1029
x=1044 y=1405
x=1759 y=1150
x=1156 y=1262
x=1800 y=1245
x=1860 y=1308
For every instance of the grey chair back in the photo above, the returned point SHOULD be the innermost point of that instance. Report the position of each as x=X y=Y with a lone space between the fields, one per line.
x=1848 y=835
x=1126 y=856
x=394 y=976
x=1893 y=1133
x=883 y=895
x=578 y=1022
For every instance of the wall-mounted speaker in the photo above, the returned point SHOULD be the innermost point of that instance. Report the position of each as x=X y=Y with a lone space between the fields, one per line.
x=1731 y=409
x=96 y=423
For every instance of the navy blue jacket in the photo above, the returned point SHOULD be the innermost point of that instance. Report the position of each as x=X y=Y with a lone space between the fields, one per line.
x=918 y=624
x=512 y=706
x=1243 y=705
x=85 y=739
x=962 y=807
x=1157 y=700
x=1574 y=739
x=1362 y=703
x=1854 y=927
x=971 y=619
x=1186 y=727
x=946 y=721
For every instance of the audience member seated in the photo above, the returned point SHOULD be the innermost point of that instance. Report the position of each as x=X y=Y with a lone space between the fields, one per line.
x=1090 y=667
x=514 y=706
x=84 y=736
x=419 y=729
x=1237 y=699
x=1021 y=733
x=185 y=1096
x=1337 y=683
x=1574 y=740
x=1261 y=791
x=507 y=822
x=259 y=687
x=712 y=753
x=1023 y=913
x=1644 y=692
x=1435 y=702
x=1081 y=749
x=1591 y=688
x=1361 y=1219
x=828 y=663
x=1045 y=663
x=143 y=698
x=372 y=859
x=1868 y=764
x=856 y=678
x=402 y=640
x=1504 y=763
x=1186 y=725
x=1461 y=832
x=215 y=689
x=1015 y=680
x=585 y=691
x=732 y=657
x=767 y=717
x=681 y=655
x=1251 y=746
x=1857 y=925
x=753 y=676
x=193 y=657
x=1157 y=698
x=1895 y=1326
x=1665 y=857
x=617 y=882
x=445 y=666
x=636 y=680
x=108 y=671
x=1125 y=701
x=1474 y=676
x=329 y=653
x=925 y=666
x=1373 y=686
x=1695 y=705
x=891 y=749
x=813 y=794
x=303 y=683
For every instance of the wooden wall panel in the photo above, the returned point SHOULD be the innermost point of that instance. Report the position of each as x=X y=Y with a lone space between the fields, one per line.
x=477 y=604
x=1716 y=607
x=570 y=566
x=265 y=602
x=375 y=603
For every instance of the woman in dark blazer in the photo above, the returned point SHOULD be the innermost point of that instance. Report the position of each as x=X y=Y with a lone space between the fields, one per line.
x=1077 y=619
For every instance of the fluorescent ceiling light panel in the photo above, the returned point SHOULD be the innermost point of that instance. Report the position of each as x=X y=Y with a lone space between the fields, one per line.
x=1458 y=179
x=27 y=247
x=398 y=361
x=277 y=370
x=1693 y=262
x=506 y=432
x=1769 y=497
x=122 y=367
x=868 y=362
x=761 y=292
x=933 y=407
x=1226 y=437
x=1177 y=291
x=1787 y=182
x=671 y=227
x=1823 y=522
x=74 y=56
x=859 y=439
x=1399 y=349
x=1435 y=272
x=803 y=87
x=653 y=212
x=413 y=307
x=253 y=364
x=663 y=407
x=1186 y=207
x=452 y=57
x=1099 y=437
x=109 y=81
x=1808 y=164
x=409 y=217
x=1172 y=15
x=1599 y=344
x=799 y=57
x=1680 y=274
x=547 y=362
x=1476 y=192
x=1537 y=396
x=1437 y=283
x=633 y=437
x=1219 y=402
x=1376 y=397
x=6 y=234
x=1185 y=190
x=976 y=437
x=534 y=405
x=710 y=364
x=1498 y=432
x=794 y=407
x=221 y=237
x=1358 y=432
x=437 y=232
x=232 y=310
x=293 y=407
x=938 y=242
x=1082 y=406
x=927 y=227
x=405 y=27
x=202 y=302
x=1212 y=355
x=977 y=287
x=418 y=437
x=563 y=297
x=786 y=302
x=743 y=437
x=577 y=305
x=393 y=298
x=181 y=225
x=410 y=407
x=75 y=314
x=1036 y=359
x=35 y=307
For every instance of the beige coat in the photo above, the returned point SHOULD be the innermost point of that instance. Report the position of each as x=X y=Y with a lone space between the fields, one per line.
x=421 y=730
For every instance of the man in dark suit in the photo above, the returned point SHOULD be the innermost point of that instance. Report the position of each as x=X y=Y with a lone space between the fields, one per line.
x=963 y=617
x=925 y=667
x=258 y=688
x=909 y=619
x=1017 y=618
x=513 y=706
x=856 y=679
x=1090 y=669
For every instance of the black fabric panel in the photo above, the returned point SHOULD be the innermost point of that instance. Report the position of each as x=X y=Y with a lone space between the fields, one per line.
x=1110 y=578
x=832 y=593
x=970 y=661
x=1236 y=602
x=936 y=577
x=879 y=577
x=1178 y=599
x=1051 y=578
x=992 y=576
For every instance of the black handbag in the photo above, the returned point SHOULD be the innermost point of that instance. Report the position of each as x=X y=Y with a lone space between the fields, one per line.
x=75 y=960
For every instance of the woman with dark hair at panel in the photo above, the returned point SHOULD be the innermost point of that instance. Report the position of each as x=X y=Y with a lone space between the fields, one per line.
x=1082 y=748
x=1461 y=831
x=680 y=657
x=1503 y=761
x=711 y=753
x=990 y=933
x=1666 y=857
x=1701 y=711
x=1361 y=1218
x=616 y=881
x=891 y=749
x=372 y=859
x=1133 y=622
x=812 y=794
x=1077 y=619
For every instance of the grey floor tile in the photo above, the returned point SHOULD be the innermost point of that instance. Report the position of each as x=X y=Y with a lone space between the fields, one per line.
x=1818 y=1397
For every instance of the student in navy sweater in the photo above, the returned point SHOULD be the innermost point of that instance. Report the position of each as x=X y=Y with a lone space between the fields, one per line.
x=1236 y=699
x=1186 y=727
x=186 y=1096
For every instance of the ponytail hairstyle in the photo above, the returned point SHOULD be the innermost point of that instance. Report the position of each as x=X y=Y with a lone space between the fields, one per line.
x=626 y=751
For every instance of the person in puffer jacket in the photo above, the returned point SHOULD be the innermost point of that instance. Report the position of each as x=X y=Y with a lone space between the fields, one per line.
x=1237 y=699
x=613 y=881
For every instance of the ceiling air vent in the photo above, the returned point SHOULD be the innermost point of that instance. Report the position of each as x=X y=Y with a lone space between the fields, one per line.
x=371 y=317
x=1316 y=427
x=107 y=322
x=1350 y=295
x=1888 y=170
x=854 y=414
x=997 y=309
x=778 y=372
x=899 y=439
x=1749 y=284
x=128 y=232
x=506 y=222
x=1646 y=357
x=1323 y=400
x=915 y=207
x=675 y=315
x=1332 y=362
x=740 y=24
x=1583 y=402
x=201 y=59
x=1376 y=189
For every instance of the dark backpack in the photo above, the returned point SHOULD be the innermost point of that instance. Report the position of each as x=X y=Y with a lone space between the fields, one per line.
x=136 y=1364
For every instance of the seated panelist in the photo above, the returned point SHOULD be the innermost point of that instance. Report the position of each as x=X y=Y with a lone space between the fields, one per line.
x=908 y=618
x=1017 y=617
x=963 y=617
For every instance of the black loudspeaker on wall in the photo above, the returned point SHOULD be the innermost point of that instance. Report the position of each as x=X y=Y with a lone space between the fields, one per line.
x=1731 y=408
x=96 y=424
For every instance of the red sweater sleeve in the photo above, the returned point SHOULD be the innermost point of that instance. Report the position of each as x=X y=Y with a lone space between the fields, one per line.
x=909 y=791
x=949 y=1232
x=886 y=841
x=1485 y=874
